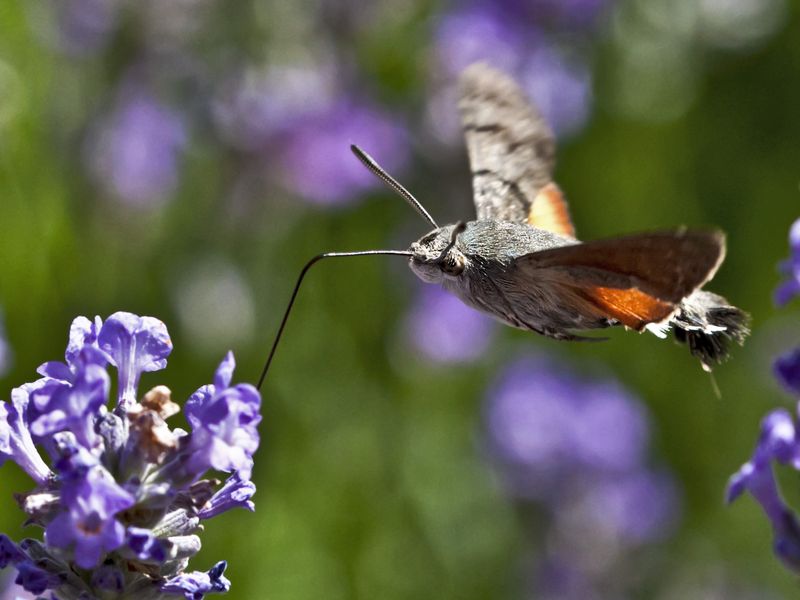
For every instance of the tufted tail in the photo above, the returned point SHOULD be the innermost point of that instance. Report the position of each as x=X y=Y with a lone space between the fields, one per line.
x=708 y=324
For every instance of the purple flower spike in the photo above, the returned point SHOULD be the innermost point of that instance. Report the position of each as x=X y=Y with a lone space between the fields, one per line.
x=787 y=370
x=193 y=586
x=778 y=441
x=88 y=523
x=234 y=494
x=134 y=344
x=15 y=437
x=122 y=500
x=790 y=288
x=224 y=423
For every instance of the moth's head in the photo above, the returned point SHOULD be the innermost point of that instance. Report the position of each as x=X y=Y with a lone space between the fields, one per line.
x=436 y=255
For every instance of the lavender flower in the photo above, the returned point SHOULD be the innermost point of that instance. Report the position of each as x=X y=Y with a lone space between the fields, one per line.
x=791 y=268
x=779 y=441
x=445 y=330
x=122 y=498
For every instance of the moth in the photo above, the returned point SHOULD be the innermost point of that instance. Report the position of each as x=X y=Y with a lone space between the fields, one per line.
x=520 y=261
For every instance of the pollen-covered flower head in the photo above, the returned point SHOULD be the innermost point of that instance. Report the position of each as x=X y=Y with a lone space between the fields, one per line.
x=119 y=494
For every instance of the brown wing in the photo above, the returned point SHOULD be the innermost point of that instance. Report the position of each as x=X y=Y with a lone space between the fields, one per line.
x=511 y=152
x=637 y=279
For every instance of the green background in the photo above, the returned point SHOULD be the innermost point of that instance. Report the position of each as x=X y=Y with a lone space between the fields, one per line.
x=371 y=479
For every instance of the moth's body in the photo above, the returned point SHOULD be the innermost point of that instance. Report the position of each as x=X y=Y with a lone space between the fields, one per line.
x=520 y=261
x=485 y=256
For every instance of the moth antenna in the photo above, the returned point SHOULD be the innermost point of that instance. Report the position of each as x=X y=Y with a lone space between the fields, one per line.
x=457 y=230
x=303 y=272
x=373 y=166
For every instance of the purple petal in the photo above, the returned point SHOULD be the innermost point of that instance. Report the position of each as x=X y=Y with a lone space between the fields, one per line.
x=787 y=370
x=10 y=553
x=224 y=374
x=776 y=442
x=236 y=493
x=790 y=288
x=194 y=585
x=34 y=579
x=16 y=442
x=794 y=238
x=81 y=332
x=134 y=344
x=75 y=407
x=145 y=545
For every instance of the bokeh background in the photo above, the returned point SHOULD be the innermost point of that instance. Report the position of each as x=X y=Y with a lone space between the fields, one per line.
x=184 y=158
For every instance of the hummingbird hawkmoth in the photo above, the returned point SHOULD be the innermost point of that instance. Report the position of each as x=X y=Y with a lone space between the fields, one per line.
x=520 y=262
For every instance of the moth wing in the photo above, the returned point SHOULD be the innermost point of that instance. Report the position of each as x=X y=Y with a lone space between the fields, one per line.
x=511 y=153
x=637 y=279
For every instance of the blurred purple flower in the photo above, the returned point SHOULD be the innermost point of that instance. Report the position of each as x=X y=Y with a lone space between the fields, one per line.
x=481 y=32
x=790 y=288
x=5 y=349
x=778 y=442
x=509 y=36
x=561 y=89
x=253 y=107
x=83 y=27
x=787 y=370
x=446 y=330
x=561 y=14
x=135 y=152
x=316 y=160
x=579 y=446
x=546 y=425
x=639 y=507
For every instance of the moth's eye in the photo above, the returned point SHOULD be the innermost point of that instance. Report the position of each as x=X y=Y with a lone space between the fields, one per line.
x=452 y=265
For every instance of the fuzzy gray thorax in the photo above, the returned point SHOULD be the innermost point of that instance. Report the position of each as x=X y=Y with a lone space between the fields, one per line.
x=482 y=243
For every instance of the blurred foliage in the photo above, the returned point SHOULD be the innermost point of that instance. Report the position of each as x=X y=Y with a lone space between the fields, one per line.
x=372 y=479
